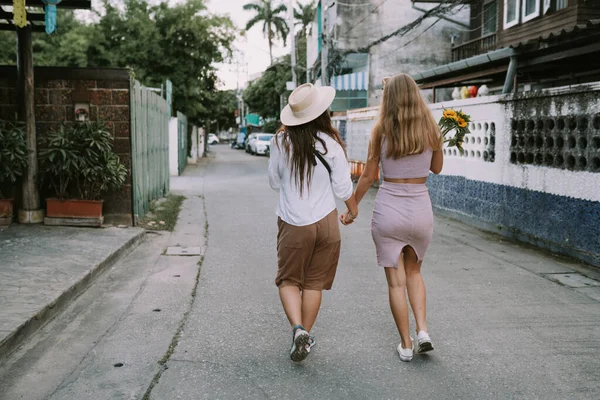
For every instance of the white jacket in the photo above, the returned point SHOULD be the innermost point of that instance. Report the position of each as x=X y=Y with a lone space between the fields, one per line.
x=317 y=201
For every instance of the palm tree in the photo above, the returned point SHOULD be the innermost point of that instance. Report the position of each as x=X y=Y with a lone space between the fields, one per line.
x=305 y=15
x=274 y=25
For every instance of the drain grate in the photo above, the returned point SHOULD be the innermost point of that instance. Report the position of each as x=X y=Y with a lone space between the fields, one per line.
x=573 y=280
x=183 y=251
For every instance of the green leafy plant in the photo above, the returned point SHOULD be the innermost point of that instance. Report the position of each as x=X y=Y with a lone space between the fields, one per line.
x=80 y=160
x=60 y=161
x=101 y=170
x=13 y=153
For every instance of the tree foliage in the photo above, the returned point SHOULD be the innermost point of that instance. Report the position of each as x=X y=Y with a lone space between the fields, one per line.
x=272 y=16
x=67 y=47
x=180 y=42
x=305 y=15
x=225 y=103
x=262 y=95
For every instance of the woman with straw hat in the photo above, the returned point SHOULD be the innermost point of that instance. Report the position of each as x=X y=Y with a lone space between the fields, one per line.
x=308 y=167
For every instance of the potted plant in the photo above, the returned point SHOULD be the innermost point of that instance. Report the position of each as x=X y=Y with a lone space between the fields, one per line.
x=81 y=166
x=13 y=161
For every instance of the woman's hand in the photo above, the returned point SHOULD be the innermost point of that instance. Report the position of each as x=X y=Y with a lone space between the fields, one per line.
x=348 y=217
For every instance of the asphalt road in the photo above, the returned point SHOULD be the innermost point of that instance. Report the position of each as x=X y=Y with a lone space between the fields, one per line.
x=501 y=328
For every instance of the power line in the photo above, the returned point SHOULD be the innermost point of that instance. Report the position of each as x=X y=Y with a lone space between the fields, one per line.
x=367 y=17
x=352 y=4
x=379 y=58
x=437 y=11
x=344 y=37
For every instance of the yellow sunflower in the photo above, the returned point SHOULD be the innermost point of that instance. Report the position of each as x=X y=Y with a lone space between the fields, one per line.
x=462 y=123
x=450 y=114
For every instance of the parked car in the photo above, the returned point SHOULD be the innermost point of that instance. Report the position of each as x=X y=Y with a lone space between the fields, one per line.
x=251 y=138
x=213 y=139
x=260 y=145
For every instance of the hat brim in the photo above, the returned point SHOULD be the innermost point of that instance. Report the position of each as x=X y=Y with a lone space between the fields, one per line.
x=326 y=97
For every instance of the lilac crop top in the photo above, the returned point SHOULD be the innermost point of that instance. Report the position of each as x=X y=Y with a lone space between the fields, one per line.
x=413 y=166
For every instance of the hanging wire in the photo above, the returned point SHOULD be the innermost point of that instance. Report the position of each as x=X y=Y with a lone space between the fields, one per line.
x=352 y=4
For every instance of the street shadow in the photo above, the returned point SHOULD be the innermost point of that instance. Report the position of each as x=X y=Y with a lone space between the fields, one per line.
x=426 y=359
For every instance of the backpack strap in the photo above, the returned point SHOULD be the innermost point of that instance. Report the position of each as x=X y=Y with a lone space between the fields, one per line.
x=324 y=162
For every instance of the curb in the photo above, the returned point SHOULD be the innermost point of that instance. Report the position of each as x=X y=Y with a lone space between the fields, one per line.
x=48 y=311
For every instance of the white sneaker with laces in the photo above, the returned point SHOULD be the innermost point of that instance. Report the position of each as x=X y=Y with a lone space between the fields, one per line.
x=424 y=342
x=406 y=355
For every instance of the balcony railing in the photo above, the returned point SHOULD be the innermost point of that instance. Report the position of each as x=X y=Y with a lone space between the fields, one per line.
x=474 y=47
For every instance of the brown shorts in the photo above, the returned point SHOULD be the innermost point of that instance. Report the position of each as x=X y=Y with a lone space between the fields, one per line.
x=307 y=256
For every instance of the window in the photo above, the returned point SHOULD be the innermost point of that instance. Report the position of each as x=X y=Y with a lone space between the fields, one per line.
x=531 y=9
x=512 y=9
x=490 y=18
x=349 y=99
x=554 y=5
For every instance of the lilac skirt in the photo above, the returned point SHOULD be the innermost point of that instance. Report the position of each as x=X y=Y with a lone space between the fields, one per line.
x=402 y=217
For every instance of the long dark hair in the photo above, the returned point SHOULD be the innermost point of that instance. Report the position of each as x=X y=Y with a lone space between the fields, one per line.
x=299 y=145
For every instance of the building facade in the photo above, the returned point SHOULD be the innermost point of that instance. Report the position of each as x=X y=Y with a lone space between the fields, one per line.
x=367 y=41
x=523 y=45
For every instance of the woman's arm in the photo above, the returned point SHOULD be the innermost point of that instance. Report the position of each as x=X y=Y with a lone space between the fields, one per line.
x=341 y=181
x=365 y=182
x=274 y=176
x=367 y=179
x=437 y=162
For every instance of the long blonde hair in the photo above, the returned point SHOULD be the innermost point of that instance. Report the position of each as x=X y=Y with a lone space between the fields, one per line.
x=404 y=120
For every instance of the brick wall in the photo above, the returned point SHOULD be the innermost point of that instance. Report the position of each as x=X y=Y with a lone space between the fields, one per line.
x=56 y=92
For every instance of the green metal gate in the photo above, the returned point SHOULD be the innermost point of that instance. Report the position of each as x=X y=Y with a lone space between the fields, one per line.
x=150 y=148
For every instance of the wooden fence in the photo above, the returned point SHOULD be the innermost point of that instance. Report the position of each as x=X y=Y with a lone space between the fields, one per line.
x=150 y=148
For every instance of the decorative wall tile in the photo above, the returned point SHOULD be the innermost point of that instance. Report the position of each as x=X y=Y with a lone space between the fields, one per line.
x=559 y=223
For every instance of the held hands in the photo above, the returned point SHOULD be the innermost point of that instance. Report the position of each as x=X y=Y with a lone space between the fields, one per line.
x=348 y=217
x=351 y=211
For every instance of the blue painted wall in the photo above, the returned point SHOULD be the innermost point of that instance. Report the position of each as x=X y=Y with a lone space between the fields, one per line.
x=560 y=224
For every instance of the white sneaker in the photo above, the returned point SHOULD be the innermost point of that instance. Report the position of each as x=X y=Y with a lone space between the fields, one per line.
x=406 y=354
x=311 y=343
x=424 y=342
x=300 y=348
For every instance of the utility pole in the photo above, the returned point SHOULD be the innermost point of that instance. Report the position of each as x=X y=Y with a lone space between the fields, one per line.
x=31 y=212
x=240 y=92
x=307 y=63
x=292 y=41
x=324 y=44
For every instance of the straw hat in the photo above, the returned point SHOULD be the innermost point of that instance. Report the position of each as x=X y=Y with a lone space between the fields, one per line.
x=306 y=103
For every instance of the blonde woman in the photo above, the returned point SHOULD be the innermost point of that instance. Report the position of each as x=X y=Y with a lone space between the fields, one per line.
x=308 y=167
x=407 y=142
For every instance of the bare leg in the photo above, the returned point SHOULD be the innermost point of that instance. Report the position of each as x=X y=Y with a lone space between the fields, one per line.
x=292 y=303
x=416 y=288
x=311 y=302
x=396 y=279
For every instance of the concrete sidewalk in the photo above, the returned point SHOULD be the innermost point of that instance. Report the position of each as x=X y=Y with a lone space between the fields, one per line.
x=43 y=268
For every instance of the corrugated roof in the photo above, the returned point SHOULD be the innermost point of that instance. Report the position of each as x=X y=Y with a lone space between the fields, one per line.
x=592 y=24
x=507 y=52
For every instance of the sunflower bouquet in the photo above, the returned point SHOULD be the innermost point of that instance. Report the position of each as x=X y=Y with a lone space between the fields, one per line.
x=458 y=122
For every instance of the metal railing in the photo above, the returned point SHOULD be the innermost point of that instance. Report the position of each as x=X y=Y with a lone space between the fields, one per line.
x=474 y=47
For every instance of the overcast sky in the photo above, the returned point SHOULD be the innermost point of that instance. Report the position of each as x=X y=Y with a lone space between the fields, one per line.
x=254 y=46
